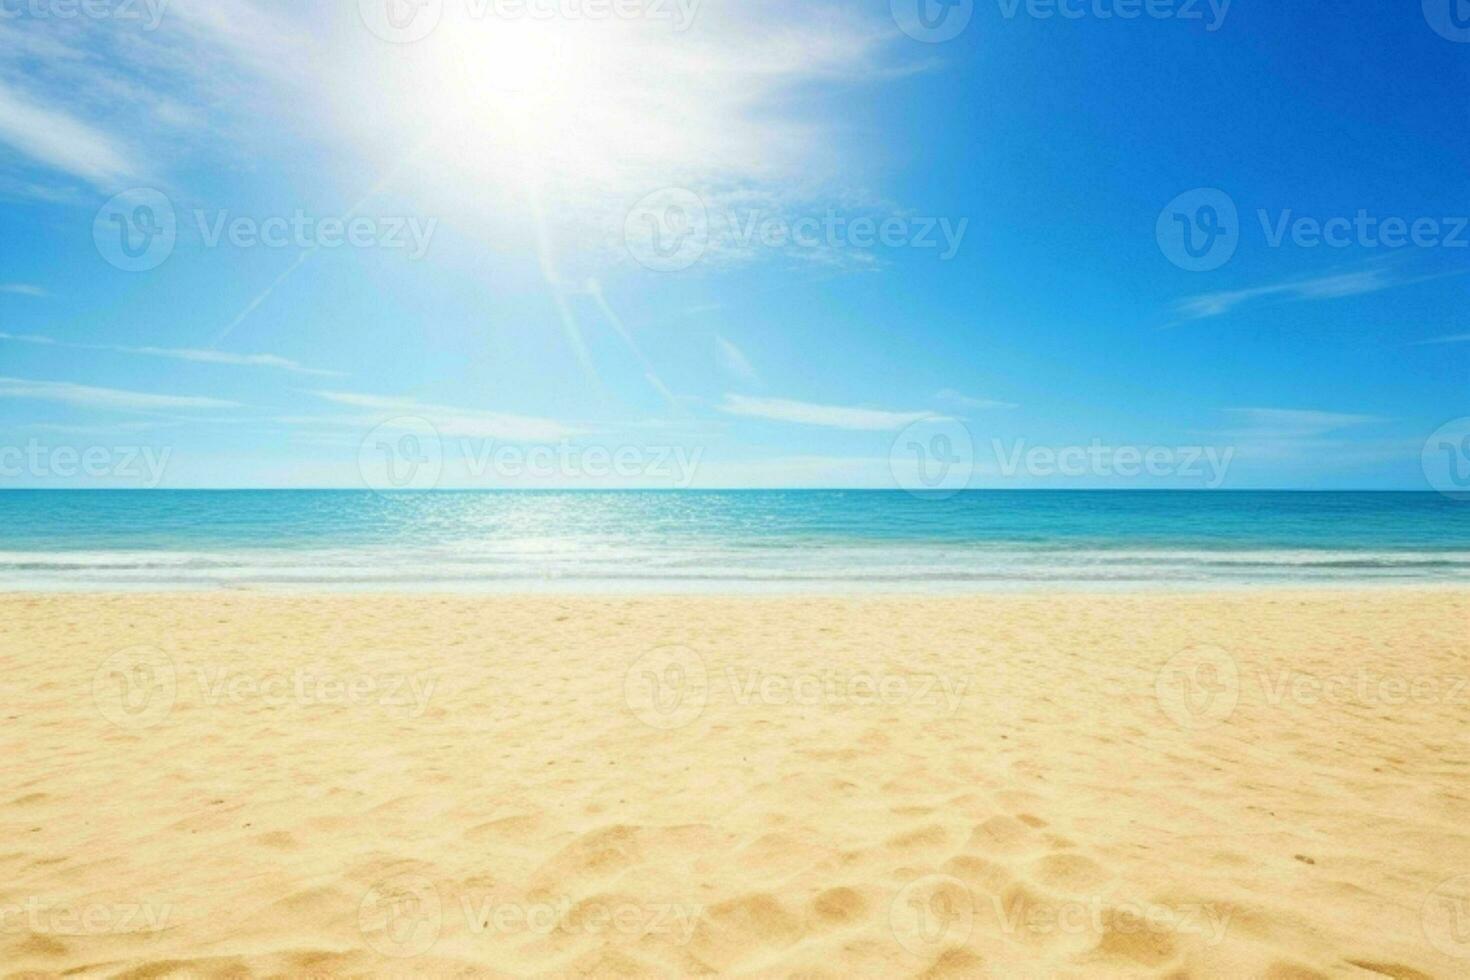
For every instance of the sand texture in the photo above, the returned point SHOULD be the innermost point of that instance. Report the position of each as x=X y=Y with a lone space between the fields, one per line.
x=1266 y=784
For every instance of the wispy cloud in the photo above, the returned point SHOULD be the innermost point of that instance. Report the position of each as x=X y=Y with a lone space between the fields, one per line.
x=826 y=416
x=1296 y=422
x=1454 y=338
x=1310 y=439
x=23 y=289
x=1335 y=286
x=110 y=427
x=735 y=363
x=108 y=399
x=177 y=354
x=448 y=420
x=81 y=96
x=949 y=396
x=50 y=137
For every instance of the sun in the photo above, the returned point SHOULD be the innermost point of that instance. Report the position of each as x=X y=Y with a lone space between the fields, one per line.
x=520 y=98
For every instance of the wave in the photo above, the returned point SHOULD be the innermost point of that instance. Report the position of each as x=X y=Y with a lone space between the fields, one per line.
x=709 y=566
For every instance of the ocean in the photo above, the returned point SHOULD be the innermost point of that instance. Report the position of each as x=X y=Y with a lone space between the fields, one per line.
x=725 y=541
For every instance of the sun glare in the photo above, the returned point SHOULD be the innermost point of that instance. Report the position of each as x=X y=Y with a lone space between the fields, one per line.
x=519 y=100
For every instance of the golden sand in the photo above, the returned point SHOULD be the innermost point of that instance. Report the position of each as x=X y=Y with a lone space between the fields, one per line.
x=1251 y=784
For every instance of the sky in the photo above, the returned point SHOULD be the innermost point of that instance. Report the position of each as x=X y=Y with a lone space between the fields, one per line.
x=669 y=243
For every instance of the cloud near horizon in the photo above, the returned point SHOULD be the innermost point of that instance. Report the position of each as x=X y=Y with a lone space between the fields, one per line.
x=108 y=399
x=825 y=416
x=450 y=421
x=1334 y=286
x=177 y=354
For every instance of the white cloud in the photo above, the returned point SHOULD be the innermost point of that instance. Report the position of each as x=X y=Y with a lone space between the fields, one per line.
x=51 y=137
x=81 y=98
x=109 y=399
x=1310 y=441
x=1295 y=423
x=23 y=289
x=1454 y=338
x=557 y=127
x=735 y=363
x=178 y=354
x=451 y=422
x=1324 y=287
x=951 y=397
x=591 y=117
x=826 y=416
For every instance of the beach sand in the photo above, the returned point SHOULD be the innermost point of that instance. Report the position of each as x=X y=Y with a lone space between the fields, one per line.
x=1247 y=784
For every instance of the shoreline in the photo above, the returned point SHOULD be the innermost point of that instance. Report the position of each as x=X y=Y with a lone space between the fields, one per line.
x=776 y=592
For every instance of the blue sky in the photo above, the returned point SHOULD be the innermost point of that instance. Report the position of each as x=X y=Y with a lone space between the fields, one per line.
x=788 y=241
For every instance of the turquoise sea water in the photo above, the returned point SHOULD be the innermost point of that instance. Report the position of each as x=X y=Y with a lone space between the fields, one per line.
x=725 y=541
